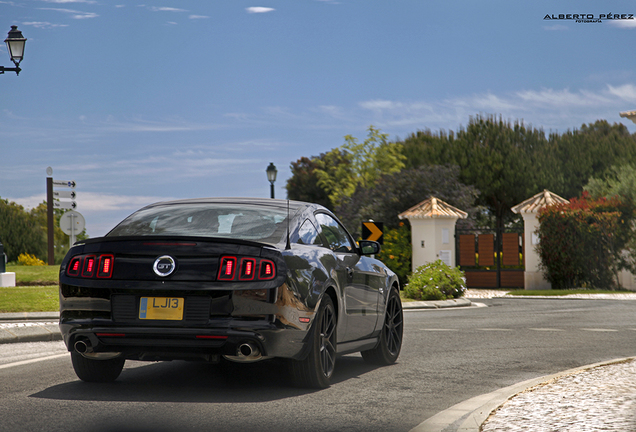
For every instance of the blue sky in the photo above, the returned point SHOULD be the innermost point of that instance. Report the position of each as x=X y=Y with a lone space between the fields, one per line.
x=141 y=102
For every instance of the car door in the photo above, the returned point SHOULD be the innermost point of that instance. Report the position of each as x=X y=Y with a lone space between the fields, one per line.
x=354 y=276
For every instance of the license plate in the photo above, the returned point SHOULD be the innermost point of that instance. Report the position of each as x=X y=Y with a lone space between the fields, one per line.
x=161 y=308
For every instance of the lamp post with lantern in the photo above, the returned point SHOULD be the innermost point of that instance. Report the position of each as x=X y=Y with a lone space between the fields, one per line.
x=15 y=44
x=271 y=176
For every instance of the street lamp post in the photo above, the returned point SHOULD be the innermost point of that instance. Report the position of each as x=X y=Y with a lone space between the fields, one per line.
x=15 y=44
x=271 y=176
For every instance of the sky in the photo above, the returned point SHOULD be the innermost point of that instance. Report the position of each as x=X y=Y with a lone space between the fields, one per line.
x=145 y=102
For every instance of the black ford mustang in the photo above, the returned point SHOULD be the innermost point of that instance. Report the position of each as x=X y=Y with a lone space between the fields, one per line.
x=243 y=279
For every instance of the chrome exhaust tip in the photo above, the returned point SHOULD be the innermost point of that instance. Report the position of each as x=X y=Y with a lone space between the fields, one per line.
x=83 y=346
x=245 y=353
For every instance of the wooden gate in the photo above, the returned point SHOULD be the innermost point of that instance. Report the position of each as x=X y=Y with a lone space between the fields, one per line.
x=490 y=259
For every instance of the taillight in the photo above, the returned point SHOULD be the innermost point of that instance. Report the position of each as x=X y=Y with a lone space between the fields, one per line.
x=105 y=266
x=228 y=265
x=267 y=270
x=90 y=266
x=249 y=269
x=74 y=266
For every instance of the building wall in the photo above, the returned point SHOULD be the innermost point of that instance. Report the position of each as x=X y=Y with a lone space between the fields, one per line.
x=433 y=239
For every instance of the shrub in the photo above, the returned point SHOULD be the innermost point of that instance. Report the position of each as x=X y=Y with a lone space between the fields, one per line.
x=29 y=260
x=396 y=251
x=581 y=242
x=435 y=281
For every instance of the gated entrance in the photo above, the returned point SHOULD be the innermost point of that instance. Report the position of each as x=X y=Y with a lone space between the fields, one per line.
x=490 y=259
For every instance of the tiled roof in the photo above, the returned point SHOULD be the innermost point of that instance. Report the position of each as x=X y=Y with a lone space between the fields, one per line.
x=537 y=202
x=629 y=114
x=433 y=208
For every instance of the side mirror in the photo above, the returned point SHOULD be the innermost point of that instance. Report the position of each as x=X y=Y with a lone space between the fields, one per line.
x=368 y=247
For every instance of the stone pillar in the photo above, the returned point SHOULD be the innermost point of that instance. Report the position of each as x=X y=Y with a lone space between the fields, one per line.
x=529 y=209
x=433 y=231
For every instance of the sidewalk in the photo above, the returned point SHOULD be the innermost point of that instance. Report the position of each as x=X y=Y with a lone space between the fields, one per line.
x=29 y=327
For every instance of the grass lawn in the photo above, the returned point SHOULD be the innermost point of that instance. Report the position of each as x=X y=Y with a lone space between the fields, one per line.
x=35 y=275
x=29 y=299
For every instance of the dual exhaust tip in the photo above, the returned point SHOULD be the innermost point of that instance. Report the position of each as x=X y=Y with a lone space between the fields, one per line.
x=246 y=352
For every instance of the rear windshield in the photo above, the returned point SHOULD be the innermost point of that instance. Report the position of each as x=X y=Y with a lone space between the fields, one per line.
x=206 y=220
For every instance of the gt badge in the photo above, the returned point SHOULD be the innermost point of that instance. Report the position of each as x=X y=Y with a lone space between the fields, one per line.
x=164 y=265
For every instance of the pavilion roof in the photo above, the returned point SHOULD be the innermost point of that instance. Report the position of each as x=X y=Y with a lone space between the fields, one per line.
x=537 y=202
x=433 y=208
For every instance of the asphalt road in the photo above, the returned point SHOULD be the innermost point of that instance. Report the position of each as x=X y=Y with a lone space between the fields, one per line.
x=448 y=356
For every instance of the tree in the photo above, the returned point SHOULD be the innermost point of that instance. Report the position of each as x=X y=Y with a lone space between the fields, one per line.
x=498 y=158
x=590 y=152
x=366 y=163
x=20 y=232
x=394 y=193
x=60 y=240
x=303 y=184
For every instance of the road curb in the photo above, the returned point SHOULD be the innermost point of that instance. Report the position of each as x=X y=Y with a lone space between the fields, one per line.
x=469 y=415
x=437 y=304
x=29 y=332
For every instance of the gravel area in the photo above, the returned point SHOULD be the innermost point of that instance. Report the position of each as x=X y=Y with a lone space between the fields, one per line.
x=598 y=399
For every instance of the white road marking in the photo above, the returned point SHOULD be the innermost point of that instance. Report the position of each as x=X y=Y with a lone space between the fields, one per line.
x=35 y=360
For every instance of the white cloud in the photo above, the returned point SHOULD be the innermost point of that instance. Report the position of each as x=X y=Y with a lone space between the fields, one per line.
x=626 y=92
x=166 y=9
x=547 y=108
x=74 y=13
x=198 y=16
x=43 y=24
x=563 y=98
x=70 y=1
x=627 y=24
x=556 y=27
x=258 y=9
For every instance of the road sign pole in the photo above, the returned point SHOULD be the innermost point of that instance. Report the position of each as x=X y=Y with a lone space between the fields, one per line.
x=49 y=220
x=72 y=236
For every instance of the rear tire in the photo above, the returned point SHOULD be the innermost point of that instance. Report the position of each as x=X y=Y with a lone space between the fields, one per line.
x=93 y=370
x=390 y=344
x=316 y=369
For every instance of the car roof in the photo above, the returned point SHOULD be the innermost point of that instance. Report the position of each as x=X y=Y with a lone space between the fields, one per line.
x=265 y=202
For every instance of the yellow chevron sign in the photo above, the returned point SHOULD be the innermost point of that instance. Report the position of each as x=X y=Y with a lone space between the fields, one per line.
x=373 y=231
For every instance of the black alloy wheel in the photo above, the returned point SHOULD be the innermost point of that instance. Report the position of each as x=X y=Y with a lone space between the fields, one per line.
x=316 y=369
x=390 y=344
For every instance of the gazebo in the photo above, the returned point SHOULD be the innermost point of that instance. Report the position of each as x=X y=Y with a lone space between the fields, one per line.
x=433 y=231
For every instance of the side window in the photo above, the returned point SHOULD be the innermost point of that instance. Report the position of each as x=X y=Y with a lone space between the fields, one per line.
x=308 y=234
x=336 y=236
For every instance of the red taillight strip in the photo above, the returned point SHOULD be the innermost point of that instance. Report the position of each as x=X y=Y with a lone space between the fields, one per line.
x=105 y=266
x=249 y=269
x=74 y=267
x=228 y=268
x=89 y=266
x=211 y=337
x=268 y=270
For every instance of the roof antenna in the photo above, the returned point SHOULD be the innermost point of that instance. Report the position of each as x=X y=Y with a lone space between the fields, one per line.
x=288 y=246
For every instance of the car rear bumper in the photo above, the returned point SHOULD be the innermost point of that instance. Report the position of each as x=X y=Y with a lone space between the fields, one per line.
x=169 y=343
